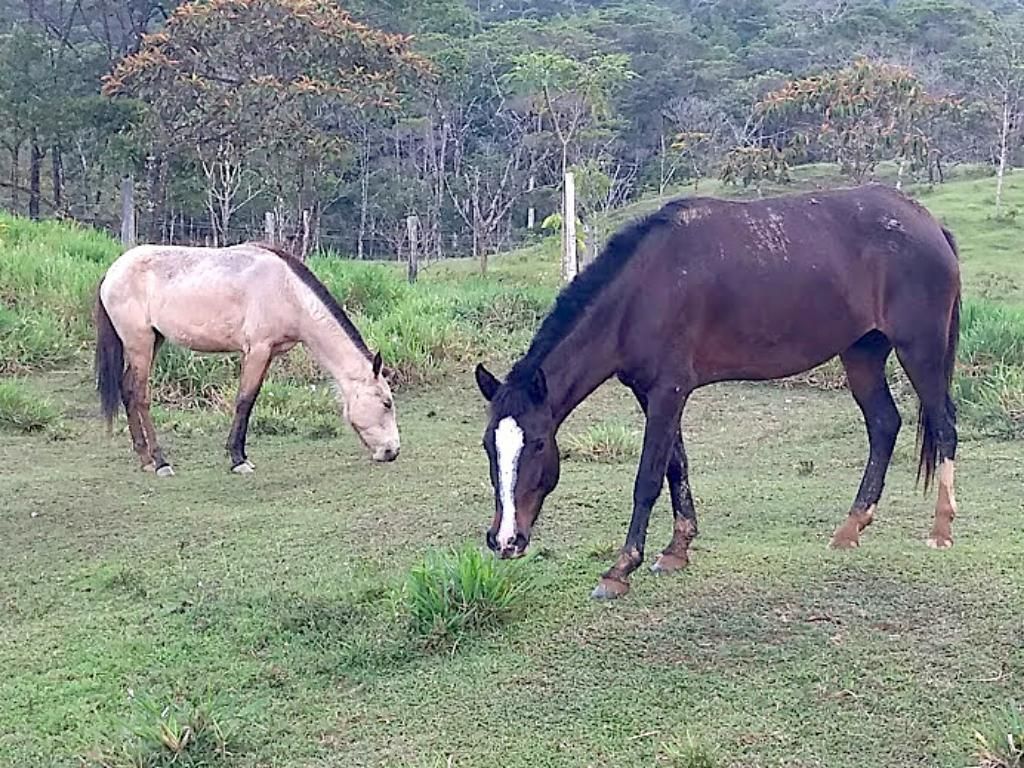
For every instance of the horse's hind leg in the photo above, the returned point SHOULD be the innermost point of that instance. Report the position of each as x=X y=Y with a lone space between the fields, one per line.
x=925 y=365
x=254 y=368
x=684 y=516
x=134 y=422
x=865 y=372
x=140 y=356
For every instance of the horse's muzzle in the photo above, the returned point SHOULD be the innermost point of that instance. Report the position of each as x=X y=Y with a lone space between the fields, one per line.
x=386 y=454
x=510 y=550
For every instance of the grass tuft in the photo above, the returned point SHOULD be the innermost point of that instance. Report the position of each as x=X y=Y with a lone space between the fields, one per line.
x=24 y=410
x=179 y=733
x=451 y=594
x=604 y=443
x=688 y=753
x=1001 y=745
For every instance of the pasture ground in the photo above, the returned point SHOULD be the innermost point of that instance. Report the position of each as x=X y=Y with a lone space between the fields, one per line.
x=266 y=612
x=271 y=598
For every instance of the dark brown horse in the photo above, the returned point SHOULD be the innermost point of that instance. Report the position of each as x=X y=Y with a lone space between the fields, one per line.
x=710 y=290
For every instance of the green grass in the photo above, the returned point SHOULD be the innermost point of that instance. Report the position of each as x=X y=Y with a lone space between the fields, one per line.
x=455 y=593
x=606 y=443
x=327 y=611
x=1001 y=743
x=23 y=410
x=275 y=595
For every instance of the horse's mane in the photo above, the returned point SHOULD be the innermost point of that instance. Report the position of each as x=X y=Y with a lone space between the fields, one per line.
x=320 y=290
x=574 y=300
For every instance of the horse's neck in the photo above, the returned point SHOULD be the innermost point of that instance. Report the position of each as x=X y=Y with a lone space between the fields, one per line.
x=332 y=348
x=581 y=362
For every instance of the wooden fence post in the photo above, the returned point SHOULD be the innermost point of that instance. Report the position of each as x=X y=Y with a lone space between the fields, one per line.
x=412 y=224
x=128 y=228
x=269 y=228
x=570 y=258
x=305 y=233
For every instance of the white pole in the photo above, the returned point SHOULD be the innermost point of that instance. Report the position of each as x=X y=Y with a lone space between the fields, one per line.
x=570 y=259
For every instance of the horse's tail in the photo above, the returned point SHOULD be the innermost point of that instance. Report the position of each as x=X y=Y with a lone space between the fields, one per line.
x=925 y=429
x=109 y=362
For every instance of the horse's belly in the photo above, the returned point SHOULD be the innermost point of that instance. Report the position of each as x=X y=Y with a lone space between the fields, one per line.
x=200 y=323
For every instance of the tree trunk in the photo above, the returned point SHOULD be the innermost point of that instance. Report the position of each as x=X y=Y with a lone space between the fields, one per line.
x=900 y=172
x=156 y=186
x=34 y=177
x=364 y=197
x=15 y=176
x=1004 y=149
x=57 y=163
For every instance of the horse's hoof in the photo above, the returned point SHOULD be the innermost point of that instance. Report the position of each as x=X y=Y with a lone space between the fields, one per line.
x=609 y=589
x=940 y=541
x=165 y=471
x=669 y=563
x=151 y=467
x=245 y=468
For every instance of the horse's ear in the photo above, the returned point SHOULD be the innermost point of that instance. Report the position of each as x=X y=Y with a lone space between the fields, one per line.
x=378 y=364
x=538 y=387
x=487 y=382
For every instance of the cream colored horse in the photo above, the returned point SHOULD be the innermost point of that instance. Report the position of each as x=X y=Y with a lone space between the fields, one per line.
x=247 y=298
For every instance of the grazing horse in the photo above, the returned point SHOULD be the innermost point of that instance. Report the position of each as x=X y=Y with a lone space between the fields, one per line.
x=247 y=298
x=710 y=290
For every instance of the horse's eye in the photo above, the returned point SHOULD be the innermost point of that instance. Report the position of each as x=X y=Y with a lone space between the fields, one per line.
x=388 y=405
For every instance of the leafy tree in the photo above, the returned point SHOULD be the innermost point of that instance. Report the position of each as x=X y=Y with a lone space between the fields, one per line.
x=234 y=80
x=859 y=115
x=571 y=94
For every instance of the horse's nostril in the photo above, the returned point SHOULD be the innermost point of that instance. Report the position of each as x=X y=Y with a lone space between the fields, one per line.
x=520 y=542
x=492 y=541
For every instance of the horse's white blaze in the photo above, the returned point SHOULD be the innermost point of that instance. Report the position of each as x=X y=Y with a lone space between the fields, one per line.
x=508 y=442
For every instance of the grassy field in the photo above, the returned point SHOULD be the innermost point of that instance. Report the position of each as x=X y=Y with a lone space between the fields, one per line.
x=216 y=620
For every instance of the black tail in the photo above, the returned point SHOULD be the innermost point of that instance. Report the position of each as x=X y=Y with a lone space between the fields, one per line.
x=109 y=362
x=925 y=429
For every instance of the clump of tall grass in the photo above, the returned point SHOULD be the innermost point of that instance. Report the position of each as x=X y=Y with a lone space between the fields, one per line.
x=603 y=443
x=453 y=593
x=290 y=409
x=689 y=753
x=1001 y=744
x=184 y=379
x=24 y=410
x=989 y=385
x=372 y=290
x=179 y=733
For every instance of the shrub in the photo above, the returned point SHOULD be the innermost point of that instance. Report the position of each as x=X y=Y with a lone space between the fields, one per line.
x=460 y=591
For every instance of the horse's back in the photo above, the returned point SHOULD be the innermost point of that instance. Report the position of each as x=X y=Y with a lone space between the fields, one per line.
x=208 y=299
x=823 y=267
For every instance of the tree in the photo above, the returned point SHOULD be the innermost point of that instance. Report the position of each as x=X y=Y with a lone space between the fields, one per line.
x=231 y=81
x=571 y=94
x=997 y=72
x=859 y=115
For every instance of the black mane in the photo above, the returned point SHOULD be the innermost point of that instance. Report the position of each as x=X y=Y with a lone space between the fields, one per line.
x=313 y=283
x=575 y=298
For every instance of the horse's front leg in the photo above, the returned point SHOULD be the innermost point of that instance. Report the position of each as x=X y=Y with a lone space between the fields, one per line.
x=664 y=408
x=254 y=369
